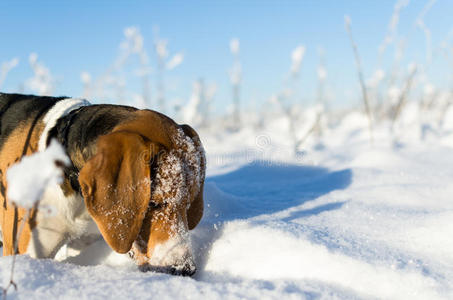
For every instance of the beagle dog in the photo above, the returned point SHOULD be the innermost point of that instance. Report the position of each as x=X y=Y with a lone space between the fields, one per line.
x=136 y=178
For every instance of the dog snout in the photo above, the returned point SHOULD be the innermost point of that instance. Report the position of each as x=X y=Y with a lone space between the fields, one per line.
x=184 y=266
x=188 y=269
x=172 y=257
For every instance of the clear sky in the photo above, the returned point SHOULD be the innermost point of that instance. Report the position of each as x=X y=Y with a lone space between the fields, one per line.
x=75 y=36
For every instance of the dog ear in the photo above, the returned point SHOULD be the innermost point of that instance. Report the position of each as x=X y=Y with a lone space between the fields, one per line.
x=116 y=186
x=195 y=211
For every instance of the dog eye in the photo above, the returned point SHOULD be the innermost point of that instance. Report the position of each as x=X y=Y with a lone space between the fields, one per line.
x=154 y=205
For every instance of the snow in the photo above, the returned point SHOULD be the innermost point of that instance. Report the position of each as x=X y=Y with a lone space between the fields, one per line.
x=296 y=57
x=42 y=81
x=39 y=170
x=175 y=61
x=6 y=67
x=345 y=218
x=234 y=46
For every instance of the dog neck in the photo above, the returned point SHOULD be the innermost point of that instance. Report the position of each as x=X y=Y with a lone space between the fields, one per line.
x=59 y=110
x=79 y=130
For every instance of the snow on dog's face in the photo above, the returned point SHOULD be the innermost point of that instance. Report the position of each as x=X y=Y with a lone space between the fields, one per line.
x=145 y=198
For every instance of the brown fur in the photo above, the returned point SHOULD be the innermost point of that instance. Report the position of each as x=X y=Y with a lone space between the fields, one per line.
x=116 y=183
x=116 y=188
x=23 y=141
x=135 y=143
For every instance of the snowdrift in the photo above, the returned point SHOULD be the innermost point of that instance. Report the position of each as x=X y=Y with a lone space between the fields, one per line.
x=345 y=218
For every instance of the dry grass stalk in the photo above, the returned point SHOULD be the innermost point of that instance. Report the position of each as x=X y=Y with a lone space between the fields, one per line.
x=360 y=75
x=11 y=282
x=403 y=96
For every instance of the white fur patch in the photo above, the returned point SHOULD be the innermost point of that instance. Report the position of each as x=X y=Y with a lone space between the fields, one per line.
x=176 y=251
x=69 y=219
x=60 y=109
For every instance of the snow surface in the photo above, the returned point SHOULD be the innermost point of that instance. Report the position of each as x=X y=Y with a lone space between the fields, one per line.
x=345 y=218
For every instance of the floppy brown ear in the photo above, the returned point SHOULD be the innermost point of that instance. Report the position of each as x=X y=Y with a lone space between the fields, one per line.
x=195 y=211
x=116 y=187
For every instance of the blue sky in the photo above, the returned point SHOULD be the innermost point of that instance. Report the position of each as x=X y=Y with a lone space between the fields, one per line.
x=72 y=37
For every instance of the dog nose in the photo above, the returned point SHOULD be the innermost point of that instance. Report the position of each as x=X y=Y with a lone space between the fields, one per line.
x=188 y=269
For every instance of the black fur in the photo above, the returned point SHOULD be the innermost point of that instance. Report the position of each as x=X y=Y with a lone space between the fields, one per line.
x=81 y=128
x=77 y=131
x=15 y=109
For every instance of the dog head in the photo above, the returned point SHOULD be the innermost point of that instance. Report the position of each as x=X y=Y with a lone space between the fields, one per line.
x=145 y=191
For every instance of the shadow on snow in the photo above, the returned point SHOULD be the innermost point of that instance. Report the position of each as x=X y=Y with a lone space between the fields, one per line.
x=261 y=188
x=265 y=188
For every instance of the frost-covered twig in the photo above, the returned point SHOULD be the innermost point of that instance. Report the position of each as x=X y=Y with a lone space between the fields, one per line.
x=291 y=115
x=136 y=40
x=321 y=97
x=392 y=26
x=373 y=84
x=197 y=111
x=429 y=96
x=235 y=79
x=421 y=24
x=403 y=96
x=296 y=60
x=322 y=76
x=85 y=77
x=134 y=45
x=285 y=99
x=113 y=78
x=6 y=67
x=315 y=126
x=391 y=37
x=27 y=181
x=347 y=21
x=42 y=82
x=297 y=57
x=160 y=47
x=11 y=282
x=400 y=47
